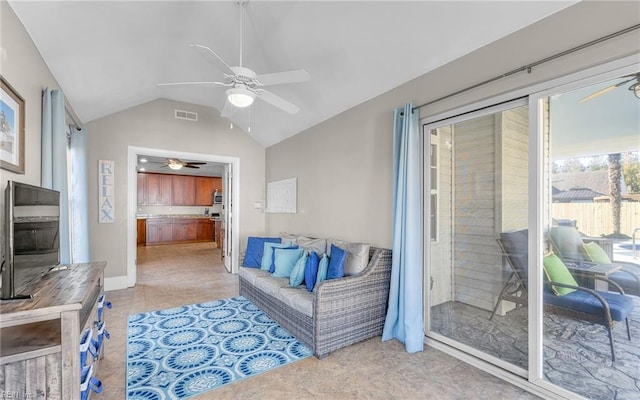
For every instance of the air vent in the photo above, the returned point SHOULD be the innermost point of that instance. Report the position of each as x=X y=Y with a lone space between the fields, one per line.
x=188 y=115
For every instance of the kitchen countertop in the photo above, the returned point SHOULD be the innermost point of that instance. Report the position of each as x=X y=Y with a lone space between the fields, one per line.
x=182 y=216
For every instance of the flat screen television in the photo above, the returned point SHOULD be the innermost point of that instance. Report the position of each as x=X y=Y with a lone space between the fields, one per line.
x=32 y=239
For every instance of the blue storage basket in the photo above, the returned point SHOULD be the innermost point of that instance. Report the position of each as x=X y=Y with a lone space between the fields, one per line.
x=102 y=303
x=88 y=383
x=87 y=345
x=102 y=333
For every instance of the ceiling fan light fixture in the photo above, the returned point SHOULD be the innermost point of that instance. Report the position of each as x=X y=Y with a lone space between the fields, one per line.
x=635 y=88
x=240 y=97
x=174 y=166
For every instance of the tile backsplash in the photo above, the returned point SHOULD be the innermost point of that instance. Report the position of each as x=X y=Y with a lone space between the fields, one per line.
x=178 y=210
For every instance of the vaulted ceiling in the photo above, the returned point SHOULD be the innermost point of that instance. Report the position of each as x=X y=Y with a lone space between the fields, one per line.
x=108 y=56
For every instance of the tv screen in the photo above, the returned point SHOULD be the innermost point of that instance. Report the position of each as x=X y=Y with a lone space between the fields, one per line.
x=32 y=236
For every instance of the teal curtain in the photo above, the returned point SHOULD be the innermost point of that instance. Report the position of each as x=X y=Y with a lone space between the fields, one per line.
x=54 y=160
x=404 y=320
x=78 y=198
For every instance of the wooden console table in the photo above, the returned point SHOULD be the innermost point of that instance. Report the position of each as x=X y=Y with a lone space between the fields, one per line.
x=40 y=337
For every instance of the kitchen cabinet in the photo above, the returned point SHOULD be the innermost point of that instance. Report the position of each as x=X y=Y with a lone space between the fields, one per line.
x=217 y=184
x=205 y=231
x=158 y=189
x=204 y=191
x=159 y=231
x=142 y=232
x=183 y=190
x=219 y=234
x=184 y=230
x=142 y=188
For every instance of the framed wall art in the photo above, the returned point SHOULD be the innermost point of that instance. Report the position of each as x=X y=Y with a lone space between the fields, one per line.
x=11 y=128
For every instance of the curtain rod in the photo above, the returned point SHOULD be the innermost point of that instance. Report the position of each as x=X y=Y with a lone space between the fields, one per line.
x=528 y=67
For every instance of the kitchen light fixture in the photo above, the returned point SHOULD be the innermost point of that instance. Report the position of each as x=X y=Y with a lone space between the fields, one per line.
x=240 y=96
x=143 y=160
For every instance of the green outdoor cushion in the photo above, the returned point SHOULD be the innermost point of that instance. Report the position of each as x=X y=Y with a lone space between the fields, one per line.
x=556 y=271
x=596 y=253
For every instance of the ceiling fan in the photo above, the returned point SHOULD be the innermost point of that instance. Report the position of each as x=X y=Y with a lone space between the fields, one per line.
x=176 y=164
x=634 y=87
x=244 y=85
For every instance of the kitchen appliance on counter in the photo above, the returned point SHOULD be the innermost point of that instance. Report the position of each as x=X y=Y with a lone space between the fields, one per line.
x=217 y=197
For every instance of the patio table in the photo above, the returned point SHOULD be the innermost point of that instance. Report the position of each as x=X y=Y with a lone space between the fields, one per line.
x=586 y=271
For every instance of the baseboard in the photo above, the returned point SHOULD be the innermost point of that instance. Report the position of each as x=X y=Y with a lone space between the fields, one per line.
x=115 y=283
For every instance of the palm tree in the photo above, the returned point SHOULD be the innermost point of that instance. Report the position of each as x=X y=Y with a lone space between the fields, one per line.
x=615 y=177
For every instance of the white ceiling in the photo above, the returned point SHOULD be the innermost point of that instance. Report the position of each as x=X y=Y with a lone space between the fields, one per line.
x=108 y=56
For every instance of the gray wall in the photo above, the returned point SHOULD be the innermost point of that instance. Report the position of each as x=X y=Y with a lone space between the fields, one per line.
x=24 y=69
x=344 y=165
x=153 y=125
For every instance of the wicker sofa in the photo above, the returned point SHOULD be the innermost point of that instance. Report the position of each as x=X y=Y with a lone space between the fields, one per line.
x=338 y=313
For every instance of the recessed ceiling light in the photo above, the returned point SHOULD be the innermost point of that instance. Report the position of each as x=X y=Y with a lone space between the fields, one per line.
x=143 y=160
x=142 y=169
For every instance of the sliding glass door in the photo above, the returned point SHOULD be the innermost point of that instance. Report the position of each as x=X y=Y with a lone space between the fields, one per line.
x=529 y=207
x=477 y=186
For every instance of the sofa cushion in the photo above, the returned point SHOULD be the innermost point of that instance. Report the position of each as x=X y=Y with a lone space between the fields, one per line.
x=317 y=245
x=250 y=274
x=297 y=298
x=267 y=255
x=272 y=269
x=297 y=273
x=357 y=256
x=271 y=285
x=284 y=260
x=336 y=262
x=255 y=249
x=289 y=237
x=311 y=271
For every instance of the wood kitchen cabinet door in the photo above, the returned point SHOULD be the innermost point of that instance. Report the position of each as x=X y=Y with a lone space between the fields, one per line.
x=159 y=189
x=184 y=231
x=159 y=232
x=142 y=188
x=205 y=230
x=204 y=191
x=142 y=232
x=183 y=190
x=217 y=184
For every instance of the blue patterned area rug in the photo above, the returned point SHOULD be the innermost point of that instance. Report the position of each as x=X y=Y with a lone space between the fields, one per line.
x=185 y=351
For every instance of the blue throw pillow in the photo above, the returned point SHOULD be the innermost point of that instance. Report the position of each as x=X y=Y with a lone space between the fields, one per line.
x=297 y=273
x=323 y=268
x=311 y=271
x=272 y=268
x=255 y=248
x=267 y=254
x=284 y=261
x=336 y=262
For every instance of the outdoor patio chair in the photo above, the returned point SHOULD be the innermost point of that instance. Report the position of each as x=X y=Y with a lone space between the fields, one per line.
x=570 y=246
x=604 y=308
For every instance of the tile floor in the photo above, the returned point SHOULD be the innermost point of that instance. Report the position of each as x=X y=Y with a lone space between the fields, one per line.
x=173 y=275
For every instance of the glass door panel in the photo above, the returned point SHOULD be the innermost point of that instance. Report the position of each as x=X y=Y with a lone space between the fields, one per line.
x=477 y=178
x=592 y=208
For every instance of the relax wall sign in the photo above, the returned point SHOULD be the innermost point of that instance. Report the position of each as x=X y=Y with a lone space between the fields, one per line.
x=105 y=192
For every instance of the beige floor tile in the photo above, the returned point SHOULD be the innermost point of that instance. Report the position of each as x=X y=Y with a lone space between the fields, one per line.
x=174 y=275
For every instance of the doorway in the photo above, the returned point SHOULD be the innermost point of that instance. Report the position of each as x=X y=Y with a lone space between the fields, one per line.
x=230 y=243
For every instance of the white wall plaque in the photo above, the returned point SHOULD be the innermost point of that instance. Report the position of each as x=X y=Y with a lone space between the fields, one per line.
x=282 y=196
x=105 y=192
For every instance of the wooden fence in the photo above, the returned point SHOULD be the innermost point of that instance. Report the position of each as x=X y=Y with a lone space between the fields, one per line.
x=595 y=219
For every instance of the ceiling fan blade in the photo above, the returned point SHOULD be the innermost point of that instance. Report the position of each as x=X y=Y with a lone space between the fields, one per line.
x=207 y=50
x=196 y=163
x=205 y=84
x=277 y=101
x=277 y=78
x=227 y=111
x=190 y=166
x=605 y=90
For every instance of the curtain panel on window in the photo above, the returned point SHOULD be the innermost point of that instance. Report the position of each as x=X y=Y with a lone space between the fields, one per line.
x=78 y=198
x=54 y=160
x=404 y=319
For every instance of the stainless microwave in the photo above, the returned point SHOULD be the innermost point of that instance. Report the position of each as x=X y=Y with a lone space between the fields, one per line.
x=217 y=197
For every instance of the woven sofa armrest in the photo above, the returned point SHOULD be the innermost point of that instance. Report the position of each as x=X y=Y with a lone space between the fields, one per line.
x=350 y=309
